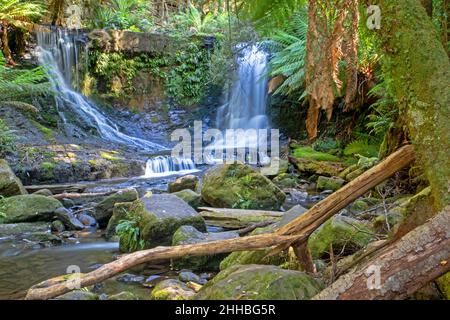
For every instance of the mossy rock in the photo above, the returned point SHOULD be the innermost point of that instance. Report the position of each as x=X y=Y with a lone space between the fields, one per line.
x=172 y=289
x=190 y=197
x=190 y=235
x=44 y=237
x=285 y=181
x=78 y=295
x=182 y=183
x=10 y=185
x=311 y=154
x=259 y=256
x=104 y=210
x=260 y=282
x=124 y=295
x=315 y=167
x=158 y=216
x=16 y=229
x=28 y=208
x=332 y=183
x=443 y=284
x=347 y=236
x=120 y=212
x=44 y=192
x=240 y=186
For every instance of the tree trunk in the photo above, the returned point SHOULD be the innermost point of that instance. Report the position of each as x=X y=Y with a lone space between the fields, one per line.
x=6 y=49
x=400 y=269
x=418 y=70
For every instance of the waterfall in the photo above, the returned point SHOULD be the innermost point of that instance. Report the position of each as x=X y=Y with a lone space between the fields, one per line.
x=59 y=52
x=247 y=100
x=167 y=165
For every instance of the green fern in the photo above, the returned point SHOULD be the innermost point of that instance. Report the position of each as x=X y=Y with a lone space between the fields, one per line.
x=129 y=232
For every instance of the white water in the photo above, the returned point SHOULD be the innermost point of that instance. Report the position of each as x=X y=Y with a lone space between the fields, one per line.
x=166 y=166
x=59 y=52
x=247 y=100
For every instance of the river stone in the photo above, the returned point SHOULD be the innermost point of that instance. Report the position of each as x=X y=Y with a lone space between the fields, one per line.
x=158 y=216
x=172 y=289
x=240 y=186
x=259 y=256
x=44 y=192
x=87 y=220
x=28 y=208
x=78 y=295
x=130 y=278
x=260 y=282
x=68 y=219
x=187 y=182
x=192 y=198
x=333 y=183
x=44 y=237
x=347 y=235
x=14 y=229
x=58 y=226
x=190 y=235
x=104 y=210
x=10 y=185
x=124 y=295
x=187 y=276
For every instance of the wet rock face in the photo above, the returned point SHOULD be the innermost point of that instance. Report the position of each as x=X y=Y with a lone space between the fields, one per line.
x=159 y=216
x=258 y=282
x=28 y=208
x=10 y=185
x=240 y=186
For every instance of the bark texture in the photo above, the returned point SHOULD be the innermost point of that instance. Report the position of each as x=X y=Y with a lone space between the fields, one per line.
x=404 y=267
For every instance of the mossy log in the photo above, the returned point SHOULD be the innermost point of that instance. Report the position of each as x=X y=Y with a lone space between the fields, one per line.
x=402 y=267
x=298 y=230
x=59 y=188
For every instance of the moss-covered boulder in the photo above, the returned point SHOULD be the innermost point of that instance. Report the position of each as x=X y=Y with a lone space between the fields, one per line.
x=44 y=192
x=190 y=235
x=16 y=229
x=260 y=282
x=347 y=236
x=172 y=289
x=286 y=180
x=443 y=284
x=311 y=162
x=332 y=183
x=259 y=256
x=10 y=185
x=191 y=197
x=187 y=182
x=240 y=186
x=28 y=208
x=104 y=210
x=158 y=216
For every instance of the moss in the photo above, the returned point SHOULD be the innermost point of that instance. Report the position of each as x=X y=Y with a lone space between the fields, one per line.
x=333 y=183
x=110 y=155
x=255 y=282
x=28 y=208
x=171 y=290
x=443 y=284
x=310 y=154
x=46 y=132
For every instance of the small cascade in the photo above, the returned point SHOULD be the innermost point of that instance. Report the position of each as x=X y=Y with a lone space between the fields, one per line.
x=167 y=166
x=59 y=51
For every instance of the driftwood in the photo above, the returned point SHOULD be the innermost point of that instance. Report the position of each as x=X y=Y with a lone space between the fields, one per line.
x=83 y=195
x=402 y=268
x=59 y=188
x=297 y=230
x=237 y=218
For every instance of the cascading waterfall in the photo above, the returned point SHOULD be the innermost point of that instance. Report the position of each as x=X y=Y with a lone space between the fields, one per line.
x=247 y=99
x=59 y=52
x=167 y=165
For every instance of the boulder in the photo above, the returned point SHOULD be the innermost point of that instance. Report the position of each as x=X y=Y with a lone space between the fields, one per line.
x=315 y=167
x=78 y=295
x=158 y=216
x=333 y=183
x=187 y=182
x=87 y=220
x=104 y=210
x=28 y=208
x=42 y=237
x=347 y=236
x=260 y=282
x=240 y=186
x=44 y=192
x=192 y=198
x=190 y=235
x=187 y=276
x=119 y=213
x=172 y=289
x=58 y=226
x=68 y=219
x=259 y=256
x=286 y=180
x=10 y=185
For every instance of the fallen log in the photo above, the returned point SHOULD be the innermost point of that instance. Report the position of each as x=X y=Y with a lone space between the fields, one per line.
x=237 y=218
x=401 y=268
x=83 y=195
x=296 y=231
x=58 y=188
